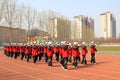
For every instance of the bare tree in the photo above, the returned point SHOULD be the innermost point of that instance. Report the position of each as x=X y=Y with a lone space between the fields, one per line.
x=20 y=19
x=2 y=8
x=43 y=20
x=30 y=16
x=10 y=14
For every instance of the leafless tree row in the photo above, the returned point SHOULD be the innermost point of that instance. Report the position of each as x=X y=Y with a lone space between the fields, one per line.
x=24 y=17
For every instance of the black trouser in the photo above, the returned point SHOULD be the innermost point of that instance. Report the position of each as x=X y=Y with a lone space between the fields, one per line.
x=18 y=53
x=35 y=59
x=28 y=57
x=11 y=54
x=62 y=61
x=15 y=55
x=84 y=59
x=65 y=61
x=40 y=55
x=93 y=58
x=57 y=56
x=78 y=58
x=75 y=63
x=22 y=55
x=46 y=58
x=49 y=60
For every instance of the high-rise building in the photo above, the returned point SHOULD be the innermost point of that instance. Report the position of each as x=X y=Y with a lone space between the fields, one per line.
x=108 y=25
x=83 y=28
x=60 y=29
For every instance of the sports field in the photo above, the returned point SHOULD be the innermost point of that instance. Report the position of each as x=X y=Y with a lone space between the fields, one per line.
x=107 y=68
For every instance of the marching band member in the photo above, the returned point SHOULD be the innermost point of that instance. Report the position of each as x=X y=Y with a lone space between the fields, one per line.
x=45 y=52
x=22 y=51
x=92 y=51
x=27 y=52
x=84 y=51
x=56 y=51
x=15 y=51
x=70 y=53
x=35 y=50
x=65 y=55
x=50 y=54
x=75 y=54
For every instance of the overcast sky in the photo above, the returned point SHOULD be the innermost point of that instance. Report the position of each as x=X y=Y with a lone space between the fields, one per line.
x=71 y=8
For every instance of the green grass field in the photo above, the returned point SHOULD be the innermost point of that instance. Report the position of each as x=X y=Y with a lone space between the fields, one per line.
x=108 y=48
x=108 y=53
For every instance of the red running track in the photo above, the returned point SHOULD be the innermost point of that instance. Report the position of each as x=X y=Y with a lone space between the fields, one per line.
x=107 y=68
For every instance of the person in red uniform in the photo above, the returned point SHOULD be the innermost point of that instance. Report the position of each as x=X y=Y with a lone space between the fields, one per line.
x=84 y=51
x=45 y=52
x=15 y=51
x=8 y=50
x=50 y=53
x=11 y=50
x=22 y=51
x=75 y=54
x=27 y=52
x=35 y=50
x=92 y=51
x=41 y=51
x=18 y=49
x=65 y=55
x=56 y=51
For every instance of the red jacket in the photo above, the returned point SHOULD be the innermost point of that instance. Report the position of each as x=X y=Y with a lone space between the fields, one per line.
x=15 y=49
x=65 y=53
x=70 y=51
x=27 y=50
x=18 y=48
x=75 y=52
x=35 y=51
x=62 y=51
x=50 y=52
x=93 y=50
x=56 y=50
x=84 y=51
x=45 y=50
x=11 y=49
x=22 y=49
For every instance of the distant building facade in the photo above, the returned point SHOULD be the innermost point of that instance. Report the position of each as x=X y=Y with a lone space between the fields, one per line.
x=83 y=28
x=18 y=35
x=108 y=25
x=60 y=29
x=119 y=36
